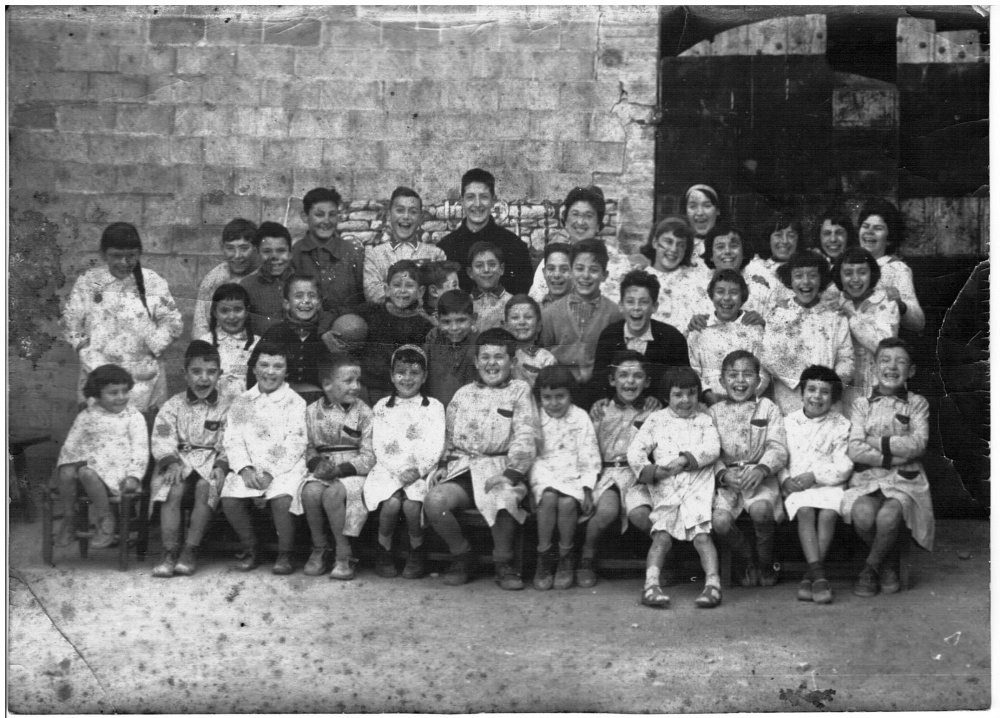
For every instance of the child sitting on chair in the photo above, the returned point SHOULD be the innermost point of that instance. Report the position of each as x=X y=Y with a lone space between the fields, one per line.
x=685 y=445
x=408 y=440
x=265 y=443
x=490 y=444
x=190 y=461
x=107 y=450
x=338 y=457
x=752 y=432
x=563 y=476
x=889 y=433
x=818 y=468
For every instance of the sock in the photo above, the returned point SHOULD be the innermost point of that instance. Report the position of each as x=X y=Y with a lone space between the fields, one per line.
x=713 y=580
x=385 y=541
x=565 y=550
x=652 y=576
x=816 y=570
x=545 y=549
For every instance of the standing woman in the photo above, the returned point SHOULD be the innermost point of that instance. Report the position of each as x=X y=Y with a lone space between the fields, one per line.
x=835 y=234
x=123 y=314
x=881 y=230
x=703 y=205
x=682 y=285
x=583 y=218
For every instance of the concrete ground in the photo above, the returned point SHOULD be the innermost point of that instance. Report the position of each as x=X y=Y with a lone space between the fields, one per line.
x=85 y=637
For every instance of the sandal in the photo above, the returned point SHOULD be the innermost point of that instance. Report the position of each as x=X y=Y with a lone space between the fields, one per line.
x=821 y=592
x=710 y=597
x=655 y=596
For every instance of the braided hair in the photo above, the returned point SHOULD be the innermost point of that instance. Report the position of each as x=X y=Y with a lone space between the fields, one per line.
x=226 y=292
x=409 y=354
x=122 y=235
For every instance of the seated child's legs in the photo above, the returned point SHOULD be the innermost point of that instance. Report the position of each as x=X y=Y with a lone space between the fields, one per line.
x=312 y=506
x=439 y=506
x=762 y=515
x=705 y=547
x=806 y=521
x=639 y=517
x=237 y=512
x=547 y=514
x=170 y=516
x=411 y=510
x=334 y=501
x=66 y=479
x=888 y=522
x=504 y=531
x=569 y=512
x=201 y=514
x=863 y=515
x=283 y=522
x=826 y=525
x=658 y=551
x=96 y=489
x=606 y=512
x=388 y=519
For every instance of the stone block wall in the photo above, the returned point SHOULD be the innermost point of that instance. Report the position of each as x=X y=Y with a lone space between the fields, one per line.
x=178 y=119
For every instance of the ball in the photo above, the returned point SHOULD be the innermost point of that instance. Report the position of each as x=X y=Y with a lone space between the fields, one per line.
x=350 y=328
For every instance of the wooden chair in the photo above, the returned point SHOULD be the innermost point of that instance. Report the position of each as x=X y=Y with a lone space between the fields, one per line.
x=126 y=505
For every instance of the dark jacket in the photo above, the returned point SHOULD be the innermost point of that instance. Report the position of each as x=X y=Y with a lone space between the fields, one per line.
x=518 y=273
x=668 y=348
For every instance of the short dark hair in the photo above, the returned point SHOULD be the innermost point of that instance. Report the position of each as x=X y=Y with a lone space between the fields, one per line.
x=782 y=219
x=408 y=355
x=677 y=225
x=404 y=266
x=592 y=195
x=555 y=376
x=272 y=349
x=894 y=343
x=682 y=377
x=734 y=356
x=272 y=229
x=329 y=365
x=626 y=355
x=837 y=218
x=892 y=217
x=320 y=194
x=522 y=299
x=404 y=192
x=497 y=337
x=802 y=259
x=481 y=247
x=105 y=375
x=455 y=301
x=856 y=255
x=477 y=174
x=721 y=229
x=641 y=278
x=590 y=246
x=238 y=229
x=553 y=247
x=729 y=275
x=435 y=273
x=287 y=286
x=200 y=349
x=817 y=372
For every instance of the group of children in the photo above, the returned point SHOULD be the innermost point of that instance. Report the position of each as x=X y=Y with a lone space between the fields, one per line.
x=431 y=400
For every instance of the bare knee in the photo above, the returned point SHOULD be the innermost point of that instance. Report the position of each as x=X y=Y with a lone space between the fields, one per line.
x=806 y=515
x=890 y=514
x=438 y=502
x=762 y=512
x=549 y=500
x=722 y=522
x=175 y=496
x=863 y=513
x=201 y=491
x=312 y=492
x=567 y=503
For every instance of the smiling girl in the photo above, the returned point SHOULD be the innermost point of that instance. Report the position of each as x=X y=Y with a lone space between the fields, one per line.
x=123 y=314
x=682 y=293
x=871 y=315
x=230 y=333
x=804 y=330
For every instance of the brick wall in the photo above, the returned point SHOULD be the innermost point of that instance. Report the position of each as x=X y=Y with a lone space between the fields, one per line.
x=178 y=119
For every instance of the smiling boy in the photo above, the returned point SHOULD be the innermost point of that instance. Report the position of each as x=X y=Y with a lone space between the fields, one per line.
x=489 y=298
x=241 y=258
x=265 y=285
x=478 y=198
x=660 y=344
x=572 y=326
x=451 y=346
x=404 y=218
x=337 y=262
